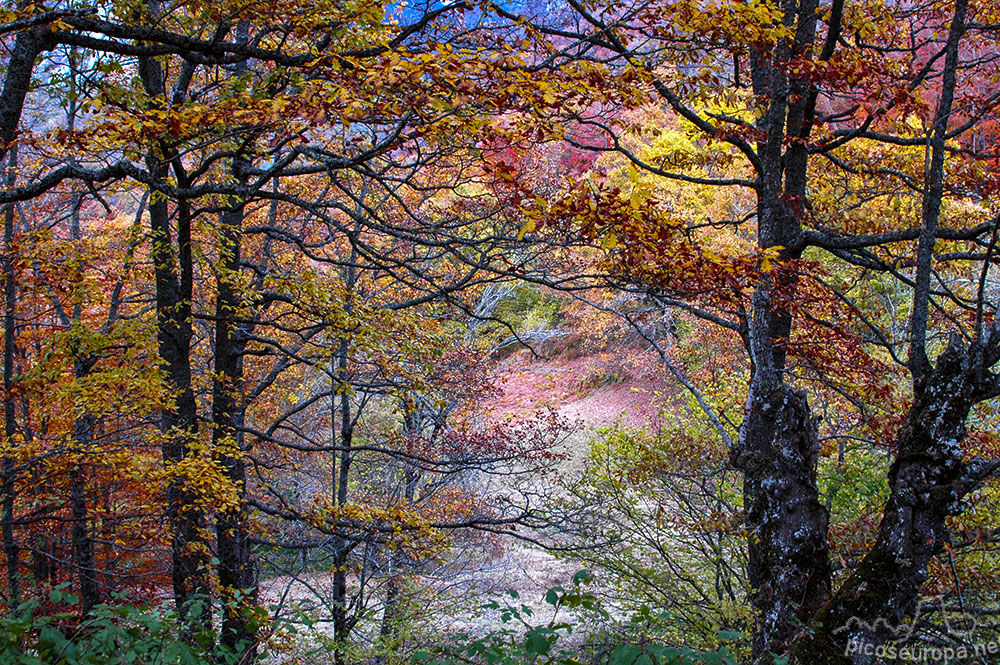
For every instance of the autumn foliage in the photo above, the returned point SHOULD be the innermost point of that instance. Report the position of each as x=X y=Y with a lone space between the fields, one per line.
x=263 y=264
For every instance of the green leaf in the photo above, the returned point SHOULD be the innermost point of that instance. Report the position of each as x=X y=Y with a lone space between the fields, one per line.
x=625 y=654
x=536 y=642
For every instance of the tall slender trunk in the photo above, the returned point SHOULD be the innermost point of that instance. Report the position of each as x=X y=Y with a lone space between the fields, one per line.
x=9 y=490
x=237 y=567
x=933 y=195
x=83 y=545
x=342 y=621
x=84 y=423
x=190 y=560
x=340 y=402
x=390 y=612
x=173 y=275
x=83 y=435
x=236 y=564
x=389 y=629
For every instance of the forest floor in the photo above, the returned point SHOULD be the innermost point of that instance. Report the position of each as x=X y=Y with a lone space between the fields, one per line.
x=588 y=392
x=592 y=391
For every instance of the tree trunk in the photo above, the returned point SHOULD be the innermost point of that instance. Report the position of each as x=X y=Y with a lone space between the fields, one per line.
x=28 y=45
x=174 y=278
x=927 y=483
x=389 y=630
x=340 y=404
x=10 y=548
x=393 y=611
x=789 y=557
x=236 y=564
x=83 y=426
x=343 y=623
x=83 y=545
x=788 y=565
x=174 y=283
x=190 y=570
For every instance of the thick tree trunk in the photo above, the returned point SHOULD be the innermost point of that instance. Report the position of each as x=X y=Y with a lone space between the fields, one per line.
x=927 y=483
x=82 y=544
x=789 y=558
x=788 y=565
x=28 y=45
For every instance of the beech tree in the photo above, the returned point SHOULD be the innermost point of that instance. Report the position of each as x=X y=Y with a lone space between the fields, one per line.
x=227 y=115
x=370 y=458
x=778 y=86
x=327 y=189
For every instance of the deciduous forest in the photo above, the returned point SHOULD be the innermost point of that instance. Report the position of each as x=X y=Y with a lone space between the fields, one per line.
x=556 y=332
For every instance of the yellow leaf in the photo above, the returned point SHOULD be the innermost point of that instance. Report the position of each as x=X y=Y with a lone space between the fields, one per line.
x=528 y=227
x=636 y=199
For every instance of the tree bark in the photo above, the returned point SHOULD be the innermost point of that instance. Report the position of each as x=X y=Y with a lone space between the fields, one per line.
x=343 y=622
x=28 y=45
x=237 y=571
x=340 y=406
x=788 y=553
x=237 y=567
x=788 y=565
x=927 y=483
x=933 y=194
x=178 y=425
x=83 y=545
x=84 y=422
x=174 y=277
x=10 y=547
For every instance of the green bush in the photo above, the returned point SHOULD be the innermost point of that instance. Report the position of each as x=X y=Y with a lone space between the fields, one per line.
x=667 y=514
x=522 y=641
x=114 y=634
